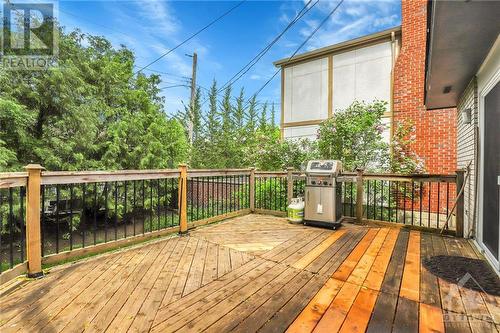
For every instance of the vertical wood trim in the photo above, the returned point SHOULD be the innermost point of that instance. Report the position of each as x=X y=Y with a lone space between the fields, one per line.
x=289 y=180
x=359 y=196
x=183 y=227
x=330 y=86
x=282 y=103
x=252 y=190
x=33 y=235
x=460 y=204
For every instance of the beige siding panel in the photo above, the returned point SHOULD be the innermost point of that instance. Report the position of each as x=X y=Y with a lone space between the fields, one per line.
x=466 y=146
x=306 y=91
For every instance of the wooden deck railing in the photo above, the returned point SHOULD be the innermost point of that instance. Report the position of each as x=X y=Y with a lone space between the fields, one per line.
x=418 y=200
x=47 y=217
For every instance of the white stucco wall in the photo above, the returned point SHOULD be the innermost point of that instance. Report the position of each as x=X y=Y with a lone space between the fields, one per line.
x=363 y=74
x=298 y=132
x=306 y=91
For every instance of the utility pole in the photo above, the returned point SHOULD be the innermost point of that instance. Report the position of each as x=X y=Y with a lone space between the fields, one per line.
x=193 y=95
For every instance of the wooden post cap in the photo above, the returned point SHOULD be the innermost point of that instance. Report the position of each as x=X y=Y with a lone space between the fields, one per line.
x=34 y=167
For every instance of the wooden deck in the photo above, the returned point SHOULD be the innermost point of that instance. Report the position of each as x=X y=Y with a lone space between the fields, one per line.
x=258 y=273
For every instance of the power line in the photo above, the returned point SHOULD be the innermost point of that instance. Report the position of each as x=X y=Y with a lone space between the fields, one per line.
x=259 y=55
x=192 y=36
x=174 y=86
x=255 y=59
x=165 y=73
x=297 y=50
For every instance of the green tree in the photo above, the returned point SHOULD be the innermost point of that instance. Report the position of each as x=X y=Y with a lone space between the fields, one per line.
x=89 y=112
x=354 y=136
x=263 y=117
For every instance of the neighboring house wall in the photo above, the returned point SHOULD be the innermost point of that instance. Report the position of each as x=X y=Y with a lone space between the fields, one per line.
x=466 y=148
x=315 y=89
x=435 y=129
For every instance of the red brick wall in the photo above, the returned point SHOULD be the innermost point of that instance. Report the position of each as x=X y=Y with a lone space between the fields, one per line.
x=435 y=129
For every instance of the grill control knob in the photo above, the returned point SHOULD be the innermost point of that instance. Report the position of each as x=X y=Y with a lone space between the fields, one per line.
x=313 y=182
x=325 y=183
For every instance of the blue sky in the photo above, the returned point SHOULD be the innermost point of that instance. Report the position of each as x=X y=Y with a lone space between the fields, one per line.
x=150 y=28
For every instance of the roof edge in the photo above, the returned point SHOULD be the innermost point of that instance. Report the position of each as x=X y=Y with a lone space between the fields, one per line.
x=343 y=46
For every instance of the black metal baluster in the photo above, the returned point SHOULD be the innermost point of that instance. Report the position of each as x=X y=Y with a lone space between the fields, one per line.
x=233 y=196
x=158 y=202
x=165 y=205
x=22 y=194
x=150 y=206
x=134 y=203
x=412 y=200
x=212 y=184
x=197 y=198
x=280 y=188
x=374 y=199
x=57 y=217
x=227 y=194
x=11 y=228
x=381 y=200
x=447 y=198
x=344 y=197
x=257 y=192
x=168 y=198
x=124 y=217
x=404 y=203
x=352 y=199
x=438 y=204
x=143 y=213
x=429 y=208
x=116 y=211
x=43 y=220
x=397 y=199
x=389 y=196
x=368 y=199
x=421 y=201
x=83 y=218
x=95 y=214
x=217 y=194
x=105 y=212
x=71 y=217
x=202 y=197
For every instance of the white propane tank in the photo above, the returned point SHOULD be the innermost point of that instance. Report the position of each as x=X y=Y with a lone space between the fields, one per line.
x=296 y=210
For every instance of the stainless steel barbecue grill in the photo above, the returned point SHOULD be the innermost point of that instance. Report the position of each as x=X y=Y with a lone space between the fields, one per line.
x=323 y=205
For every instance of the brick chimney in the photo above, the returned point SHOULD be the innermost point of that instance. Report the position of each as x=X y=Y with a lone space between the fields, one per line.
x=436 y=130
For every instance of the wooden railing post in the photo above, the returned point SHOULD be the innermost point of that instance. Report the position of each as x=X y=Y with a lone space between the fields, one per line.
x=183 y=228
x=252 y=190
x=33 y=235
x=460 y=203
x=289 y=190
x=359 y=196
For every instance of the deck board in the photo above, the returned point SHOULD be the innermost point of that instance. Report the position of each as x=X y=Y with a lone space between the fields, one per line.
x=258 y=273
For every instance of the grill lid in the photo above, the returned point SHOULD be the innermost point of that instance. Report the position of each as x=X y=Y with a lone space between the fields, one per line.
x=324 y=167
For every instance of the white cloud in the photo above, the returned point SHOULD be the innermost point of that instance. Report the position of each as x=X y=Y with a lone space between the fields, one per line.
x=354 y=18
